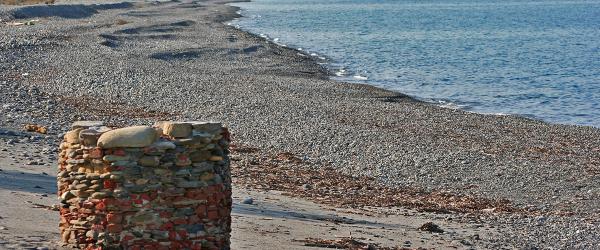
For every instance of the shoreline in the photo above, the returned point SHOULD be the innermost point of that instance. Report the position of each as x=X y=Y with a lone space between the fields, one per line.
x=280 y=102
x=439 y=102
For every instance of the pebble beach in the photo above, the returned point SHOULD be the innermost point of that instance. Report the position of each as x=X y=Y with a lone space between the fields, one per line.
x=141 y=62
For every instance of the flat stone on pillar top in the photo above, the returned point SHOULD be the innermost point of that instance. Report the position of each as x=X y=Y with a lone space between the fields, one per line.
x=206 y=126
x=87 y=124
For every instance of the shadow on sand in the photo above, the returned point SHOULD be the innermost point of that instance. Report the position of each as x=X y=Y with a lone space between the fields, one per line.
x=27 y=182
x=276 y=212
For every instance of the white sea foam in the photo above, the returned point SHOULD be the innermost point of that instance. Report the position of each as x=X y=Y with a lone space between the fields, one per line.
x=362 y=78
x=451 y=105
x=340 y=72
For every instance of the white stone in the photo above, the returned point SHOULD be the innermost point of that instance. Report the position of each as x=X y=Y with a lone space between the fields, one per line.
x=86 y=124
x=138 y=136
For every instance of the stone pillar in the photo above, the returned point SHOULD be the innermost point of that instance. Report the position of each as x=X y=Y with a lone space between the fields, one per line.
x=161 y=187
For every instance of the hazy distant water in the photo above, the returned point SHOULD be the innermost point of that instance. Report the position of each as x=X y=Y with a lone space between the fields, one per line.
x=534 y=58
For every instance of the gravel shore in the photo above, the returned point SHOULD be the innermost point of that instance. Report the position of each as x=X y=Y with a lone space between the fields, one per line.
x=124 y=63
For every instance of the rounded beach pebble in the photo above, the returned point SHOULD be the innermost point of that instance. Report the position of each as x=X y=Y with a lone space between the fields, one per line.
x=138 y=136
x=177 y=129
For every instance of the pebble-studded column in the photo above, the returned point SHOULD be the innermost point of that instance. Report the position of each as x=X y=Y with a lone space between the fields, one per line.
x=161 y=187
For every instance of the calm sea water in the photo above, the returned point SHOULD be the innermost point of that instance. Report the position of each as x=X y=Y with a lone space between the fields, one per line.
x=534 y=58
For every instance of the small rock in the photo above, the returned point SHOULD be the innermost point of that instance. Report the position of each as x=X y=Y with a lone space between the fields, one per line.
x=177 y=129
x=114 y=158
x=210 y=127
x=99 y=195
x=86 y=124
x=465 y=242
x=137 y=136
x=163 y=145
x=89 y=137
x=66 y=196
x=248 y=201
x=72 y=136
x=215 y=158
x=430 y=227
x=149 y=161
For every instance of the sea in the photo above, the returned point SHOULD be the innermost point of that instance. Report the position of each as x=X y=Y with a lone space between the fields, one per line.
x=539 y=59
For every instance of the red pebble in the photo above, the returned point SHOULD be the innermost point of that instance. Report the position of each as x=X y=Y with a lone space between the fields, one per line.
x=166 y=226
x=109 y=202
x=197 y=246
x=175 y=246
x=127 y=238
x=125 y=204
x=153 y=195
x=88 y=204
x=223 y=212
x=119 y=152
x=193 y=219
x=173 y=236
x=145 y=197
x=109 y=184
x=226 y=135
x=114 y=228
x=201 y=196
x=164 y=214
x=100 y=206
x=179 y=221
x=96 y=153
x=184 y=235
x=201 y=211
x=213 y=215
x=114 y=218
